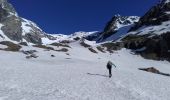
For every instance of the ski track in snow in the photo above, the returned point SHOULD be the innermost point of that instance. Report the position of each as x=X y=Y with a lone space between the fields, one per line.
x=82 y=77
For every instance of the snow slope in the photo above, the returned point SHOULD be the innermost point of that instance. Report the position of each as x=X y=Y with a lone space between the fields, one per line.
x=153 y=30
x=80 y=76
x=29 y=27
x=119 y=34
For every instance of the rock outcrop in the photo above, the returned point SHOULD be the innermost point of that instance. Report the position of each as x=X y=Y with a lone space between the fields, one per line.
x=155 y=16
x=16 y=28
x=150 y=37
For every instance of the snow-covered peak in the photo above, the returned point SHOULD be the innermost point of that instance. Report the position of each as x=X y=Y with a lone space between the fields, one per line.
x=125 y=20
x=118 y=22
x=116 y=27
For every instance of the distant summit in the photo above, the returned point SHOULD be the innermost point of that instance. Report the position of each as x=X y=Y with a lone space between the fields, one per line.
x=116 y=27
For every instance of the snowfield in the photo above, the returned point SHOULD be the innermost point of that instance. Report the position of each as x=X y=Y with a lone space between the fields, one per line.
x=81 y=75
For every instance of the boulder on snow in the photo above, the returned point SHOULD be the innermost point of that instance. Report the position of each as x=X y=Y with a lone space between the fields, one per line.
x=29 y=52
x=62 y=50
x=151 y=69
x=92 y=50
x=52 y=55
x=154 y=70
x=32 y=56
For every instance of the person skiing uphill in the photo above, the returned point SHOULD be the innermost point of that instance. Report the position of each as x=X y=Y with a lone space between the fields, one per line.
x=109 y=67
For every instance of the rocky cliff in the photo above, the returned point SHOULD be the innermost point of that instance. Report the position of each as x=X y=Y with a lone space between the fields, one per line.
x=15 y=28
x=150 y=37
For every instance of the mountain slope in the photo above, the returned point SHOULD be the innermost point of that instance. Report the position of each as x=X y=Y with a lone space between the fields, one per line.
x=151 y=35
x=156 y=16
x=16 y=28
x=117 y=27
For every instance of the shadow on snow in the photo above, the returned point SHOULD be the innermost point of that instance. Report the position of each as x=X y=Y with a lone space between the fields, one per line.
x=97 y=75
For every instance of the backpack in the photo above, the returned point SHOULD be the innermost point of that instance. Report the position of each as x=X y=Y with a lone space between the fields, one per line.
x=109 y=66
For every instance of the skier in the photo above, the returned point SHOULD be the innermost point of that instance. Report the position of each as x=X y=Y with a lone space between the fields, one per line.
x=109 y=67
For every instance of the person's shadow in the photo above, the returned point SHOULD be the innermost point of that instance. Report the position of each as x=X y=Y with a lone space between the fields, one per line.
x=97 y=75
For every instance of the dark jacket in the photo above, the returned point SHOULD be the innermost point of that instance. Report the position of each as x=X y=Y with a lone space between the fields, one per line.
x=110 y=64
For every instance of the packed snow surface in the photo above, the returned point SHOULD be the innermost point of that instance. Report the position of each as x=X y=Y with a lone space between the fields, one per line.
x=81 y=75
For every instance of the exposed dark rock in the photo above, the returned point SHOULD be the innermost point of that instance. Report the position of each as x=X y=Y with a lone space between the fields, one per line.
x=67 y=54
x=92 y=50
x=151 y=69
x=13 y=25
x=82 y=43
x=52 y=55
x=44 y=47
x=10 y=46
x=1 y=36
x=29 y=52
x=155 y=16
x=3 y=14
x=33 y=38
x=50 y=37
x=60 y=45
x=62 y=50
x=11 y=22
x=111 y=47
x=12 y=28
x=32 y=56
x=154 y=70
x=7 y=6
x=77 y=38
x=65 y=41
x=134 y=41
x=156 y=47
x=35 y=34
x=101 y=49
x=23 y=43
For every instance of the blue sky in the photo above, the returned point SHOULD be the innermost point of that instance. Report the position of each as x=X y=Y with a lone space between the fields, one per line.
x=69 y=16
